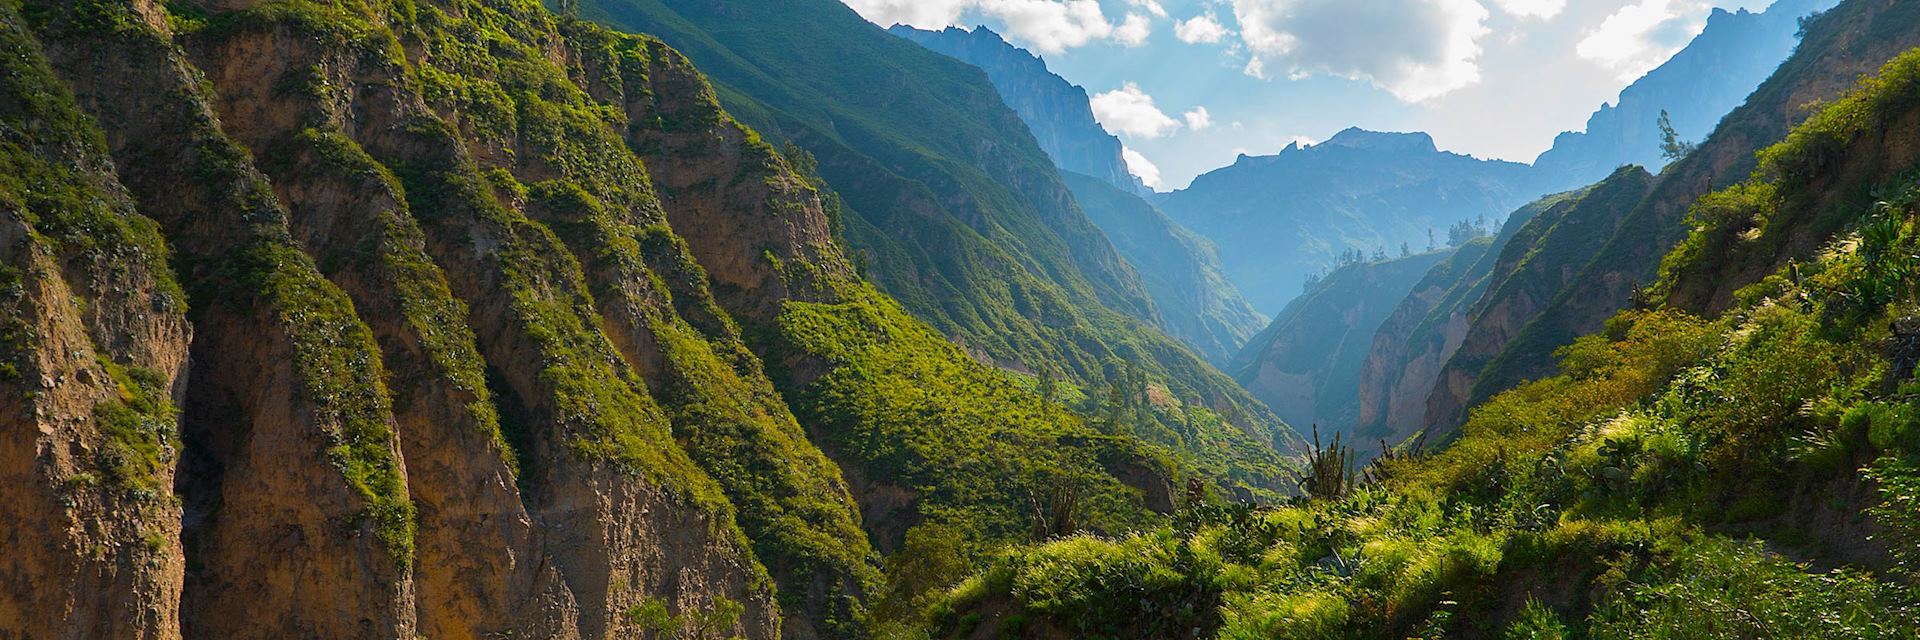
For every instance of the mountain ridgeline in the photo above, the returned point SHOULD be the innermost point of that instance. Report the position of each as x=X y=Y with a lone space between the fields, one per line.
x=1278 y=219
x=460 y=319
x=1180 y=270
x=1733 y=451
x=1698 y=86
x=1307 y=364
x=951 y=207
x=1057 y=112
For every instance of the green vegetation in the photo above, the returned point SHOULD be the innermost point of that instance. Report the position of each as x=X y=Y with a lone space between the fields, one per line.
x=652 y=615
x=984 y=246
x=141 y=429
x=341 y=380
x=1682 y=476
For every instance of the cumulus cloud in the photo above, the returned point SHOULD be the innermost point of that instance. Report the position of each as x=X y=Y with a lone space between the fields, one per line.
x=1130 y=111
x=1150 y=6
x=1642 y=35
x=1198 y=119
x=1532 y=8
x=1202 y=29
x=1256 y=68
x=925 y=14
x=1133 y=31
x=1415 y=49
x=1047 y=26
x=1141 y=167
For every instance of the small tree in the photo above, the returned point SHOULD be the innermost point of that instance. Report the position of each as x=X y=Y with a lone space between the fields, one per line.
x=1671 y=146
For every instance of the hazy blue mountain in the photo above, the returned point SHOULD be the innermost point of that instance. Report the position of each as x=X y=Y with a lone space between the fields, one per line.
x=1056 y=111
x=1307 y=364
x=1697 y=87
x=1276 y=219
x=1179 y=268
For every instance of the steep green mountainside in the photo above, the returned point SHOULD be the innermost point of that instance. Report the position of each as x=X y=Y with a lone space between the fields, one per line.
x=1699 y=85
x=1539 y=261
x=1056 y=111
x=952 y=208
x=1839 y=46
x=1750 y=472
x=1307 y=364
x=390 y=300
x=1422 y=334
x=1417 y=338
x=1276 y=219
x=1181 y=270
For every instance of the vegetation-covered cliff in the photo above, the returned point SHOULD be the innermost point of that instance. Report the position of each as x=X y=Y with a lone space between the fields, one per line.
x=1697 y=469
x=1839 y=46
x=951 y=207
x=376 y=319
x=1057 y=112
x=1307 y=364
x=1700 y=84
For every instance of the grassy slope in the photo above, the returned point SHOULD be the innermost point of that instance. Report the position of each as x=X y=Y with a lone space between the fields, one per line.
x=1180 y=269
x=987 y=246
x=1750 y=474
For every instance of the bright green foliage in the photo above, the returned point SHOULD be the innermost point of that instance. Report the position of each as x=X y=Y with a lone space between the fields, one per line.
x=980 y=240
x=341 y=380
x=1725 y=589
x=142 y=431
x=1611 y=500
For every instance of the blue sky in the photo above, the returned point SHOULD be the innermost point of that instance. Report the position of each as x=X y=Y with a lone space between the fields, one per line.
x=1190 y=84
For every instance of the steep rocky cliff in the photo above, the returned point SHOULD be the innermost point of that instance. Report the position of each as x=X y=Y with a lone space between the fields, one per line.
x=1699 y=85
x=950 y=206
x=1307 y=364
x=1276 y=219
x=371 y=319
x=1534 y=266
x=1839 y=46
x=1056 y=111
x=1180 y=270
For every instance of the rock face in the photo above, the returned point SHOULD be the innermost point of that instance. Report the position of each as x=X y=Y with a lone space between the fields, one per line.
x=1307 y=364
x=952 y=208
x=1276 y=219
x=373 y=320
x=1839 y=46
x=1696 y=87
x=1538 y=262
x=1056 y=111
x=1180 y=270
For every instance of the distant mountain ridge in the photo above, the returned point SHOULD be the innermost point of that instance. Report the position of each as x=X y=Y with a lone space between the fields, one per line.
x=1697 y=87
x=1276 y=219
x=1056 y=111
x=1307 y=365
x=1181 y=270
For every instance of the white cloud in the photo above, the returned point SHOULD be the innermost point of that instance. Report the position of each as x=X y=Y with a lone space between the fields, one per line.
x=1047 y=26
x=925 y=14
x=1050 y=26
x=1256 y=68
x=1642 y=35
x=1202 y=29
x=1415 y=49
x=1151 y=6
x=1532 y=8
x=1198 y=119
x=1130 y=111
x=1141 y=167
x=1133 y=31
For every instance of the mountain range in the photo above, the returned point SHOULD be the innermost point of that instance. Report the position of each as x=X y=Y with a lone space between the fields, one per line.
x=749 y=319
